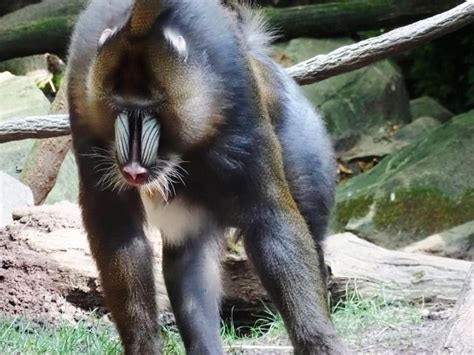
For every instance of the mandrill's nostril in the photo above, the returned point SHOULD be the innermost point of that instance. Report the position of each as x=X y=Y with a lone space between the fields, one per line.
x=135 y=173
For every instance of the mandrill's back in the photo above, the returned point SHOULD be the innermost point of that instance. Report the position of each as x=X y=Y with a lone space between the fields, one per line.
x=308 y=156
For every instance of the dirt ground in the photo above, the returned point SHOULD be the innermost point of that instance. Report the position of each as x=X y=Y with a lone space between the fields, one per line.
x=35 y=287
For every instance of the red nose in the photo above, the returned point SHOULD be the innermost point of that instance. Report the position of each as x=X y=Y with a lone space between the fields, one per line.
x=135 y=173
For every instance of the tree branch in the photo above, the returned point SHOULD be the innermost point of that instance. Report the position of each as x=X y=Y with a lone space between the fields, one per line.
x=360 y=54
x=35 y=127
x=341 y=60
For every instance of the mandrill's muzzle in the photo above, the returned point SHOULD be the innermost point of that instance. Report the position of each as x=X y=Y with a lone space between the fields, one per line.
x=137 y=138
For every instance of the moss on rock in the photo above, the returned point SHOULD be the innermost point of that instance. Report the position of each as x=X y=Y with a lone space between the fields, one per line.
x=424 y=188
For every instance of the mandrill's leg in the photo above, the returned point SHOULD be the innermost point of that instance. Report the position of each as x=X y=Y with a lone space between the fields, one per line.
x=192 y=279
x=282 y=250
x=114 y=225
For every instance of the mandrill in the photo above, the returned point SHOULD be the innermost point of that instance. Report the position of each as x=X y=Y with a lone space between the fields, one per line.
x=180 y=120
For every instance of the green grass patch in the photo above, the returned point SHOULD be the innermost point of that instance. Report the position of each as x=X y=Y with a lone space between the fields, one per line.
x=21 y=336
x=353 y=315
x=269 y=329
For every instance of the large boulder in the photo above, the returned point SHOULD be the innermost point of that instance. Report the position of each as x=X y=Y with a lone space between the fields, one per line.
x=417 y=129
x=45 y=69
x=19 y=98
x=425 y=188
x=13 y=194
x=357 y=102
x=427 y=106
x=25 y=66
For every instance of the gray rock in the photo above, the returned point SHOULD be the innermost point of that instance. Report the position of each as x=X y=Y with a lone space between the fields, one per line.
x=417 y=129
x=424 y=188
x=357 y=102
x=13 y=194
x=457 y=243
x=26 y=65
x=19 y=98
x=381 y=145
x=67 y=185
x=428 y=107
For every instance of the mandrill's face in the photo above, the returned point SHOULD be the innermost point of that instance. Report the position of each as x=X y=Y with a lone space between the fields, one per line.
x=161 y=101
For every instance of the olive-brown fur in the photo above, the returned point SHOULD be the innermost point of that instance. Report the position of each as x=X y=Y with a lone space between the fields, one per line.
x=256 y=154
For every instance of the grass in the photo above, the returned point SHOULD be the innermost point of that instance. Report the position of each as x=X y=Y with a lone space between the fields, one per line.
x=86 y=337
x=352 y=315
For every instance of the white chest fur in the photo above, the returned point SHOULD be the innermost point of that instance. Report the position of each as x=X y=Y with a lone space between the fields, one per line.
x=177 y=220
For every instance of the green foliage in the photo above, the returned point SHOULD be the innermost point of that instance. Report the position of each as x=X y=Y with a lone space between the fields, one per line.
x=444 y=69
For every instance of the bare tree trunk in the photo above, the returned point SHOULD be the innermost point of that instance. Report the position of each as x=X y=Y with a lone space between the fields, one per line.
x=459 y=337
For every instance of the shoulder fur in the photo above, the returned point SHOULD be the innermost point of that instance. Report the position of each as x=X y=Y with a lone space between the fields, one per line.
x=252 y=26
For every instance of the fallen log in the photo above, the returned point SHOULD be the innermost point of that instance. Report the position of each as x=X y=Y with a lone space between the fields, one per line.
x=373 y=270
x=7 y=6
x=459 y=330
x=353 y=262
x=47 y=26
x=348 y=17
x=40 y=28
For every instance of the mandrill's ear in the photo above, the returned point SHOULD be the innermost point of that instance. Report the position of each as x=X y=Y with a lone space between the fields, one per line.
x=144 y=15
x=177 y=42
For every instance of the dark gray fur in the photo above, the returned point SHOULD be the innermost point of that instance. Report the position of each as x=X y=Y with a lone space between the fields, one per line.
x=236 y=178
